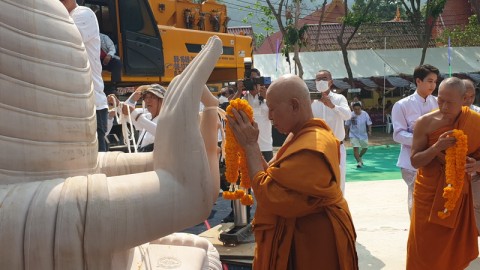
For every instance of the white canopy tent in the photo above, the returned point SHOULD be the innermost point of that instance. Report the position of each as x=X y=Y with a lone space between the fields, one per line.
x=368 y=63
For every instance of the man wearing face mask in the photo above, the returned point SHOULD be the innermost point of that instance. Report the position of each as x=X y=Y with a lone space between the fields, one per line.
x=334 y=110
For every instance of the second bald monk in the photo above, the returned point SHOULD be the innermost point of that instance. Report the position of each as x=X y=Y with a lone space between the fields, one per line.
x=302 y=220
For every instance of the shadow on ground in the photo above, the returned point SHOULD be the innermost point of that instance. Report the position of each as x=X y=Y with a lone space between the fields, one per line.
x=367 y=260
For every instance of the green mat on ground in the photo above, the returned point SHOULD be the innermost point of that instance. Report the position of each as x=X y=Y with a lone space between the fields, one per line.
x=379 y=164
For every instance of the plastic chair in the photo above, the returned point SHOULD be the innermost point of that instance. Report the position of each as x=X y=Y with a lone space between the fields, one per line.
x=389 y=126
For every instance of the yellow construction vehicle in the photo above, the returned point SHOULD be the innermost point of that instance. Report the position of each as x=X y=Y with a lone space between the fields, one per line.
x=157 y=39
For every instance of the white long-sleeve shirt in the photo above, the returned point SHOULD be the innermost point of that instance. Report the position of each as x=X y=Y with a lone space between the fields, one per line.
x=405 y=113
x=87 y=25
x=334 y=117
x=260 y=115
x=146 y=125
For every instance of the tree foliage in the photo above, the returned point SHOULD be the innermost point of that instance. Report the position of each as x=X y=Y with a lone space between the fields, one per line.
x=354 y=19
x=423 y=18
x=463 y=36
x=384 y=10
x=264 y=21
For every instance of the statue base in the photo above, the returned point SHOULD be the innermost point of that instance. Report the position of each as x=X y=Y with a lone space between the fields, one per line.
x=237 y=235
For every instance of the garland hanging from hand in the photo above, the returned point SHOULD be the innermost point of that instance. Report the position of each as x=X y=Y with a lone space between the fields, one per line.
x=455 y=159
x=235 y=158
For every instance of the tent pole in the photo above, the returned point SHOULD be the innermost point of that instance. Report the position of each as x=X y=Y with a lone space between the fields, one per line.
x=384 y=80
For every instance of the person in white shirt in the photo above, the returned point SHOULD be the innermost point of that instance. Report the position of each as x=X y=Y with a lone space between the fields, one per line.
x=256 y=99
x=146 y=122
x=334 y=109
x=469 y=99
x=222 y=98
x=356 y=128
x=405 y=113
x=86 y=22
x=110 y=61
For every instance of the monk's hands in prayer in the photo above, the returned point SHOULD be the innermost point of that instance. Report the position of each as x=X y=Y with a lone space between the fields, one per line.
x=444 y=141
x=326 y=100
x=245 y=132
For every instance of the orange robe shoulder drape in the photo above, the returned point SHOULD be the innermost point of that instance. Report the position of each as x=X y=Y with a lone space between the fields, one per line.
x=450 y=243
x=302 y=220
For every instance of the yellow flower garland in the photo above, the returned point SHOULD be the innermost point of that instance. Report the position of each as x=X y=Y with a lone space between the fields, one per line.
x=235 y=158
x=455 y=159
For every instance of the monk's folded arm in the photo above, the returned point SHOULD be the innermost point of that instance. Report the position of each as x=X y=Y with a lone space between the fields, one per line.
x=422 y=154
x=296 y=188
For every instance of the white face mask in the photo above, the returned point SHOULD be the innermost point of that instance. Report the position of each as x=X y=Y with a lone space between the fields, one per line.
x=322 y=86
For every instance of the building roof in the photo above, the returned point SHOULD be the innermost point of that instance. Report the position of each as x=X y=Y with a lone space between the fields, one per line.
x=369 y=36
x=399 y=35
x=334 y=11
x=241 y=30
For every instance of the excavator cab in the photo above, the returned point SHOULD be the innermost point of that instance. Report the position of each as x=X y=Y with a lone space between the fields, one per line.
x=157 y=39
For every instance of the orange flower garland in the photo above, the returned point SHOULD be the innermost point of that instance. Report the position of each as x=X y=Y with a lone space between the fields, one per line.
x=235 y=158
x=455 y=159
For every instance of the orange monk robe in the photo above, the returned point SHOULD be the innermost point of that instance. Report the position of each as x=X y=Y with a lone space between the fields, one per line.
x=302 y=220
x=451 y=243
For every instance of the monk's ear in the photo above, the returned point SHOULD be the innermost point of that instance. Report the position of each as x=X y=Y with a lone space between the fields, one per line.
x=295 y=104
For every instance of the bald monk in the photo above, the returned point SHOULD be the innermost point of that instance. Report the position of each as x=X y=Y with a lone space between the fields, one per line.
x=470 y=94
x=449 y=243
x=302 y=220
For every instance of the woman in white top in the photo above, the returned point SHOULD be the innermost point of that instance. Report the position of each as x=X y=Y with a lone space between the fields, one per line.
x=146 y=122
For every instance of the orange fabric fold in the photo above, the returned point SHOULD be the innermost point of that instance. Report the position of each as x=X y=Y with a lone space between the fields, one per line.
x=302 y=220
x=449 y=243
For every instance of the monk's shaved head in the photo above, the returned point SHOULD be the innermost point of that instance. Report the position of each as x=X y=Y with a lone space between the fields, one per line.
x=288 y=100
x=451 y=97
x=469 y=92
x=290 y=86
x=453 y=84
x=468 y=85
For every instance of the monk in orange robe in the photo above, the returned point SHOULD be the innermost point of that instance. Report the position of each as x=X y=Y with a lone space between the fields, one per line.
x=302 y=220
x=450 y=243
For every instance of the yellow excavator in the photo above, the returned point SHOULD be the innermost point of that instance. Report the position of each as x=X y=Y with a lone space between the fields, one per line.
x=157 y=39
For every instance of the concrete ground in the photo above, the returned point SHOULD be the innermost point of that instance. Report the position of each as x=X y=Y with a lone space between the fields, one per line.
x=379 y=212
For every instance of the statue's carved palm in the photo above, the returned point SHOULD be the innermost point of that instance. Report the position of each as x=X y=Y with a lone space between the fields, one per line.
x=55 y=211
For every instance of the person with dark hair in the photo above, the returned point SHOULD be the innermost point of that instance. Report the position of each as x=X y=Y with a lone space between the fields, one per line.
x=356 y=128
x=332 y=108
x=256 y=97
x=405 y=114
x=442 y=231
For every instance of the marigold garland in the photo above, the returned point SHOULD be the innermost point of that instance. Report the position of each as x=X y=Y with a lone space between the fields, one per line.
x=455 y=159
x=235 y=158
